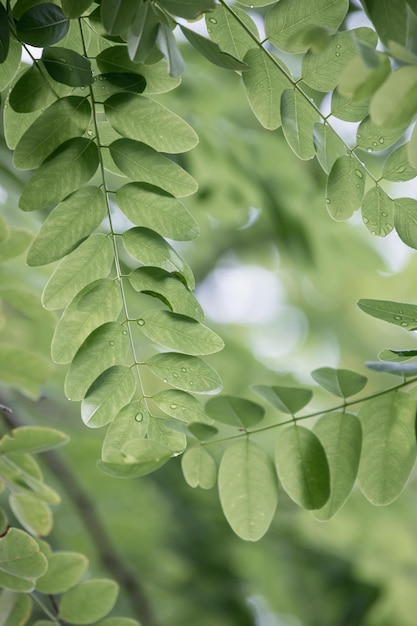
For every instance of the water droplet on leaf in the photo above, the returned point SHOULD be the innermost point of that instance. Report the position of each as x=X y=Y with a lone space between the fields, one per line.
x=358 y=173
x=139 y=417
x=173 y=406
x=141 y=322
x=111 y=343
x=212 y=20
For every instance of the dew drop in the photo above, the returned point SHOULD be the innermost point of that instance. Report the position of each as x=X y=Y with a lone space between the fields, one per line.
x=327 y=200
x=124 y=332
x=365 y=220
x=338 y=46
x=173 y=406
x=90 y=133
x=373 y=233
x=381 y=139
x=402 y=312
x=397 y=317
x=184 y=369
x=209 y=30
x=165 y=380
x=384 y=215
x=261 y=85
x=175 y=375
x=358 y=173
x=141 y=322
x=111 y=343
x=359 y=136
x=369 y=149
x=401 y=169
x=191 y=382
x=388 y=227
x=212 y=20
x=139 y=417
x=62 y=60
x=374 y=143
x=338 y=54
x=404 y=323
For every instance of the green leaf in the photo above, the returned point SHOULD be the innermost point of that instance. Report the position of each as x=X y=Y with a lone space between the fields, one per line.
x=129 y=424
x=42 y=25
x=287 y=399
x=33 y=514
x=190 y=9
x=67 y=66
x=140 y=457
x=180 y=405
x=110 y=83
x=169 y=48
x=142 y=33
x=106 y=346
x=75 y=8
x=412 y=149
x=389 y=445
x=358 y=80
x=298 y=119
x=378 y=212
x=117 y=15
x=68 y=168
x=341 y=436
x=22 y=369
x=202 y=431
x=150 y=248
x=211 y=51
x=24 y=473
x=107 y=395
x=302 y=467
x=348 y=109
x=199 y=468
x=158 y=431
x=116 y=59
x=18 y=241
x=372 y=138
x=265 y=81
x=398 y=313
x=142 y=163
x=287 y=19
x=405 y=220
x=153 y=208
x=247 y=489
x=179 y=332
x=32 y=439
x=140 y=118
x=4 y=525
x=4 y=230
x=21 y=561
x=227 y=32
x=35 y=90
x=395 y=102
x=10 y=66
x=65 y=570
x=90 y=261
x=118 y=621
x=396 y=355
x=345 y=188
x=68 y=117
x=15 y=608
x=188 y=373
x=67 y=225
x=168 y=288
x=88 y=602
x=342 y=383
x=98 y=303
x=235 y=411
x=4 y=34
x=328 y=145
x=398 y=369
x=322 y=71
x=389 y=19
x=256 y=3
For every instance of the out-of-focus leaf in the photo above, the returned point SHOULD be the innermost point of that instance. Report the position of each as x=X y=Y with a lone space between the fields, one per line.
x=88 y=602
x=15 y=608
x=235 y=411
x=287 y=399
x=65 y=570
x=22 y=369
x=21 y=561
x=340 y=382
x=32 y=439
x=33 y=514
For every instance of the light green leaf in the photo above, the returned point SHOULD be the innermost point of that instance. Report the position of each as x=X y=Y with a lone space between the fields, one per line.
x=88 y=602
x=35 y=90
x=181 y=405
x=98 y=303
x=116 y=59
x=248 y=489
x=15 y=608
x=389 y=445
x=153 y=208
x=199 y=468
x=167 y=44
x=179 y=332
x=211 y=51
x=298 y=119
x=66 y=118
x=397 y=369
x=67 y=66
x=398 y=313
x=412 y=149
x=341 y=436
x=11 y=65
x=378 y=212
x=22 y=369
x=235 y=411
x=67 y=225
x=42 y=25
x=395 y=102
x=90 y=261
x=21 y=561
x=168 y=288
x=65 y=570
x=75 y=8
x=32 y=439
x=142 y=33
x=142 y=163
x=172 y=439
x=256 y=3
x=227 y=32
x=117 y=15
x=372 y=138
x=322 y=71
x=129 y=424
x=140 y=118
x=33 y=514
x=286 y=399
x=329 y=147
x=107 y=395
x=405 y=220
x=396 y=355
x=188 y=373
x=150 y=248
x=345 y=188
x=302 y=467
x=397 y=167
x=287 y=19
x=67 y=169
x=106 y=346
x=358 y=80
x=22 y=471
x=265 y=82
x=118 y=621
x=389 y=19
x=340 y=382
x=202 y=431
x=190 y=9
x=140 y=457
x=4 y=522
x=16 y=124
x=348 y=109
x=28 y=305
x=4 y=230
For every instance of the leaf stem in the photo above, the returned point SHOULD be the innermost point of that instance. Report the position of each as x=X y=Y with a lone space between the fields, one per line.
x=45 y=609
